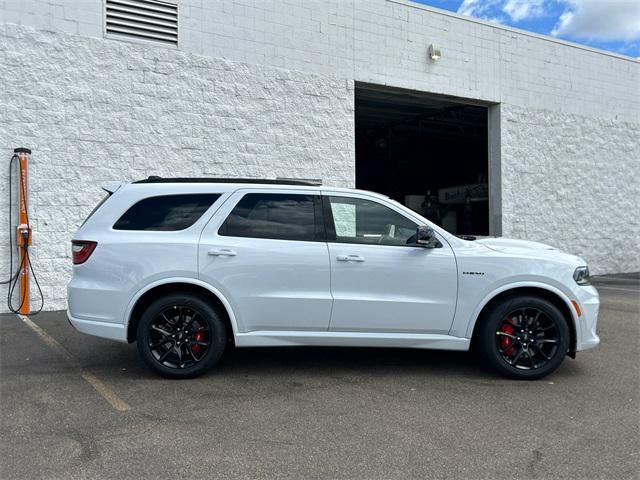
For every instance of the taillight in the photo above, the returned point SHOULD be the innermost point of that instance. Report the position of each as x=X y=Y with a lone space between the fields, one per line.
x=82 y=250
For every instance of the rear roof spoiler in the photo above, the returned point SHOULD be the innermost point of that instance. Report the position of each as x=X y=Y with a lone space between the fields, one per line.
x=111 y=187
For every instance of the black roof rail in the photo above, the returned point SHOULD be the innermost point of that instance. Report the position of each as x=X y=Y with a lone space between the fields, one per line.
x=267 y=181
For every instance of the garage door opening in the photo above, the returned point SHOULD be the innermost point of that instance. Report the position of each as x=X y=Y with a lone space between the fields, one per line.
x=428 y=153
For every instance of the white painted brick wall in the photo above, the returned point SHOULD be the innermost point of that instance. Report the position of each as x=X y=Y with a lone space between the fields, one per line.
x=384 y=42
x=95 y=111
x=572 y=181
x=84 y=17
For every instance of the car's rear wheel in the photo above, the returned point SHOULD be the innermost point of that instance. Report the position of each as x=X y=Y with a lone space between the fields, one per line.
x=181 y=336
x=523 y=337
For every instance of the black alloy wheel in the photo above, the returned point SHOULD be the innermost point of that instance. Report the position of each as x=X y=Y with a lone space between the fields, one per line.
x=523 y=337
x=527 y=338
x=181 y=336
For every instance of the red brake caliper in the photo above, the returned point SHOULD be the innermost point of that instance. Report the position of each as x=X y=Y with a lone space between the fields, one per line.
x=198 y=337
x=506 y=341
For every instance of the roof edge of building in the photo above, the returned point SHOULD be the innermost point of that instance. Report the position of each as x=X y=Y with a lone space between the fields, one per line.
x=466 y=18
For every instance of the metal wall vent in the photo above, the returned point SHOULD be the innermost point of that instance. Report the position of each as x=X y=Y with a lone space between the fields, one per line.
x=153 y=20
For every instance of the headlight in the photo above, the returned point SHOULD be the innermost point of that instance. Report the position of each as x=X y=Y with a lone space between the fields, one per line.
x=581 y=276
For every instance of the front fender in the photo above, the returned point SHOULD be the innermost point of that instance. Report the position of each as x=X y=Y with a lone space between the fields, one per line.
x=475 y=313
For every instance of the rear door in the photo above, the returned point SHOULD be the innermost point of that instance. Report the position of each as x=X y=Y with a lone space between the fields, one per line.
x=265 y=251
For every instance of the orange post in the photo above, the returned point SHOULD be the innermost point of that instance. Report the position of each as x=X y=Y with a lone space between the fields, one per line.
x=24 y=231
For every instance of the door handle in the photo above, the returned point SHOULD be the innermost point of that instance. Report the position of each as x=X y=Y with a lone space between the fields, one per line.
x=222 y=252
x=350 y=258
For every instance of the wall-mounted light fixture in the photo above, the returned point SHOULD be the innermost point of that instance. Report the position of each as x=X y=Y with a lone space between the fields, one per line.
x=435 y=52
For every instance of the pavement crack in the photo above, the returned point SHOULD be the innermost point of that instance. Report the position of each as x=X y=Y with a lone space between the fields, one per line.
x=534 y=462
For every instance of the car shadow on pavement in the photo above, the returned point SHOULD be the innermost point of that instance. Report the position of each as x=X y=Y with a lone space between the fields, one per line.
x=290 y=361
x=372 y=361
x=345 y=358
x=119 y=360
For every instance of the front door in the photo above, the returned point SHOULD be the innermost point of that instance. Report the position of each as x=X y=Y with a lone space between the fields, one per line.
x=265 y=251
x=379 y=281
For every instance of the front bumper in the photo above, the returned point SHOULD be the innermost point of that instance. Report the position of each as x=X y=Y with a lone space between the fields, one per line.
x=589 y=302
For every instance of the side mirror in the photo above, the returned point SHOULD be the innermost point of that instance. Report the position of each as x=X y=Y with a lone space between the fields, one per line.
x=426 y=237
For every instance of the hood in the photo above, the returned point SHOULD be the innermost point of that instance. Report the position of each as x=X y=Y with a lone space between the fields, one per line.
x=510 y=244
x=527 y=248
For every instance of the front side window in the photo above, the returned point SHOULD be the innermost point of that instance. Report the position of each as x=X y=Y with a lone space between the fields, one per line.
x=166 y=213
x=363 y=221
x=274 y=215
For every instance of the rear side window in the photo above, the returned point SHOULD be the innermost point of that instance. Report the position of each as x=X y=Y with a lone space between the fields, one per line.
x=277 y=216
x=166 y=213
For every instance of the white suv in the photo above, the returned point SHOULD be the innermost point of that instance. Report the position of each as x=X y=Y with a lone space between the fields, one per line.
x=185 y=266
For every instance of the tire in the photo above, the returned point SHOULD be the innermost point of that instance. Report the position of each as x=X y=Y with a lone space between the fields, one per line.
x=181 y=336
x=507 y=346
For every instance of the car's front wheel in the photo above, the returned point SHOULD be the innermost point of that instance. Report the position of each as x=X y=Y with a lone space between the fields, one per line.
x=181 y=336
x=523 y=337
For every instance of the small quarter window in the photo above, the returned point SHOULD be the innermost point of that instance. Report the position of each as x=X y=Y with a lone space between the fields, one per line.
x=276 y=216
x=166 y=213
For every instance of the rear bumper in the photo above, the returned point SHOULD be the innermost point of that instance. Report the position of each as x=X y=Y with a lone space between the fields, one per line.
x=112 y=331
x=93 y=308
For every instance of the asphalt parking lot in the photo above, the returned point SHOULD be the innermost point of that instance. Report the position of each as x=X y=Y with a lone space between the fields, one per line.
x=96 y=412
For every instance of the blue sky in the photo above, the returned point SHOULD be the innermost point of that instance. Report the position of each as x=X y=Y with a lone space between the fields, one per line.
x=612 y=25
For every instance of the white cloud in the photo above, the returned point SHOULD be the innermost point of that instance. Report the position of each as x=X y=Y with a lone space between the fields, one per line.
x=591 y=20
x=494 y=10
x=523 y=9
x=476 y=8
x=600 y=20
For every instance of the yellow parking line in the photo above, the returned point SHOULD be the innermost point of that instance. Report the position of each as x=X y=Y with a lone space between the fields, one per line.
x=106 y=393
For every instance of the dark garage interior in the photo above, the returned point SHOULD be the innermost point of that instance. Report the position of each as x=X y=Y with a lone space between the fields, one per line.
x=426 y=152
